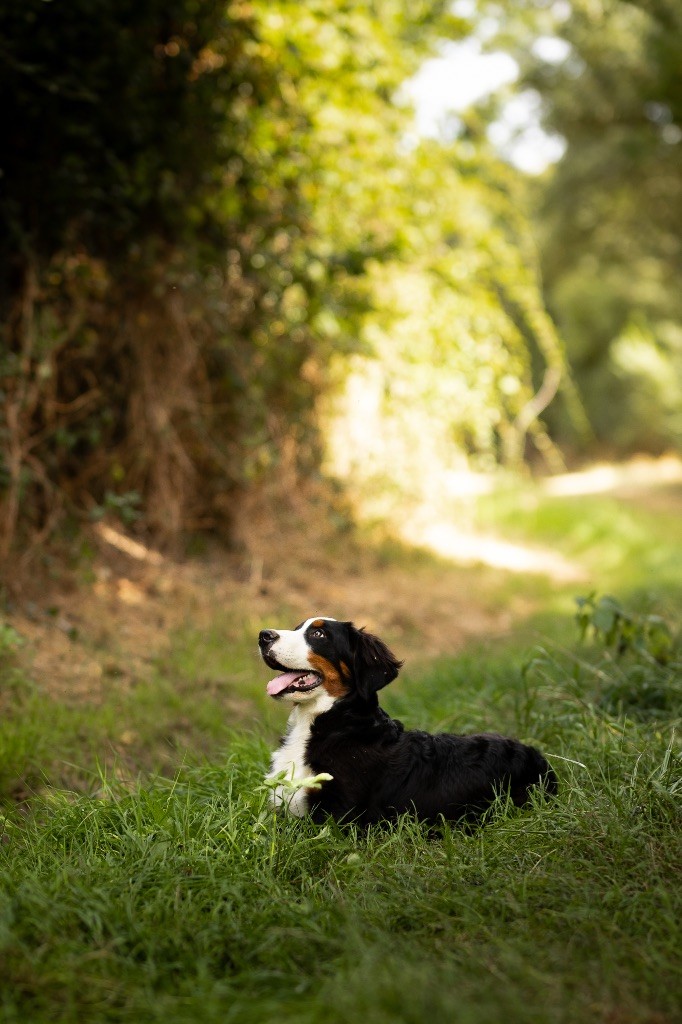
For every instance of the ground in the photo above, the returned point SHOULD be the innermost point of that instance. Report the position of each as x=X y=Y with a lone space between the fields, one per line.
x=117 y=612
x=142 y=876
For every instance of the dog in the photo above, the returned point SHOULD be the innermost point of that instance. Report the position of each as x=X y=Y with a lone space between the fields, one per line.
x=344 y=757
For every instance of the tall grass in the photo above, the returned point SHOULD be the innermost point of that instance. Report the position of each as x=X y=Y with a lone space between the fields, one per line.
x=186 y=900
x=129 y=896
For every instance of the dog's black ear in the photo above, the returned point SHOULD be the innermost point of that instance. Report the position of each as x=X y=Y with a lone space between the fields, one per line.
x=374 y=665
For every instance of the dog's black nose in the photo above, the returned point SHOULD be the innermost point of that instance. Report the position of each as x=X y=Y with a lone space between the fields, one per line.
x=267 y=637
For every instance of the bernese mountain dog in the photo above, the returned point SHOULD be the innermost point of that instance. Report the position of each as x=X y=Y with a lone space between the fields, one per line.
x=360 y=764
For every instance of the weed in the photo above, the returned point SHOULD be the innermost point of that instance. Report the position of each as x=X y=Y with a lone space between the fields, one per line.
x=640 y=654
x=648 y=635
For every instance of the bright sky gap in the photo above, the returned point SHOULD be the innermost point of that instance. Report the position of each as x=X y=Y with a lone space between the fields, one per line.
x=462 y=75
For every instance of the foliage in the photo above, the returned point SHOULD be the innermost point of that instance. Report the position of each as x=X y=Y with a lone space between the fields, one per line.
x=205 y=219
x=143 y=152
x=611 y=212
x=458 y=324
x=647 y=635
x=117 y=118
x=645 y=680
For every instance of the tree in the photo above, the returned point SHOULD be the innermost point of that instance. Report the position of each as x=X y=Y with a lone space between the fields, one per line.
x=611 y=213
x=208 y=217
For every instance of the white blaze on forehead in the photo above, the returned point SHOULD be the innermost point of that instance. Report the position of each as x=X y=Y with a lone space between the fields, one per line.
x=314 y=618
x=291 y=648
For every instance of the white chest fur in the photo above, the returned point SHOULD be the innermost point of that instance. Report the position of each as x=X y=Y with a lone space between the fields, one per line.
x=290 y=755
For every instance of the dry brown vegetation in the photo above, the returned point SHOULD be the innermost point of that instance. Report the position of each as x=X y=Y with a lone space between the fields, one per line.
x=115 y=618
x=114 y=614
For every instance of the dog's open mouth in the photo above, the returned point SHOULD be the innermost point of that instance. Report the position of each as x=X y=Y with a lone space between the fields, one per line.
x=294 y=682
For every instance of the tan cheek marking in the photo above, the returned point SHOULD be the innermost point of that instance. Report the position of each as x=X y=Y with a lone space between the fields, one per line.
x=331 y=680
x=345 y=671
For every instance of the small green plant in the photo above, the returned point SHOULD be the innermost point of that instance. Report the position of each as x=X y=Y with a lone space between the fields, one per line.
x=283 y=781
x=622 y=631
x=638 y=670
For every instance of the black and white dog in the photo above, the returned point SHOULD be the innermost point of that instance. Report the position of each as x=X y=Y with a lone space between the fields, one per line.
x=330 y=673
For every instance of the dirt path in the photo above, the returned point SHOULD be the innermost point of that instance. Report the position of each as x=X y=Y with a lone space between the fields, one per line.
x=120 y=620
x=116 y=616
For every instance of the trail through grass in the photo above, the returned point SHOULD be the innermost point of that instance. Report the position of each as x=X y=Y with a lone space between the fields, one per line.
x=127 y=895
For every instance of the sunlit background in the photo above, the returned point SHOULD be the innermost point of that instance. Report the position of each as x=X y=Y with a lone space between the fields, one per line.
x=394 y=243
x=358 y=308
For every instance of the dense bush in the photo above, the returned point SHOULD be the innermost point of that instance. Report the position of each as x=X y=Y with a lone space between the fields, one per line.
x=163 y=284
x=206 y=210
x=149 y=235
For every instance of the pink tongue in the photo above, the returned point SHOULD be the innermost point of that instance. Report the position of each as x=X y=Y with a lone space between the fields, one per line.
x=276 y=686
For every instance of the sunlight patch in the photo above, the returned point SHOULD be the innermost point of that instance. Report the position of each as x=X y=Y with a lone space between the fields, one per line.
x=127 y=544
x=479 y=549
x=636 y=473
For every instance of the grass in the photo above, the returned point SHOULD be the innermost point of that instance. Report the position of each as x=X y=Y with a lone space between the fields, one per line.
x=128 y=895
x=187 y=707
x=185 y=900
x=624 y=544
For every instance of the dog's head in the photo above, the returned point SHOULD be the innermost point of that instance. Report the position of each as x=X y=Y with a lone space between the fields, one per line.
x=322 y=653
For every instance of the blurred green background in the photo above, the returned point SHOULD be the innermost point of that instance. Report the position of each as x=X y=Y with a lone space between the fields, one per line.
x=225 y=237
x=364 y=308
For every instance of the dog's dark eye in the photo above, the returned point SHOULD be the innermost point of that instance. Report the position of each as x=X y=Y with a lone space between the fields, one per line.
x=318 y=634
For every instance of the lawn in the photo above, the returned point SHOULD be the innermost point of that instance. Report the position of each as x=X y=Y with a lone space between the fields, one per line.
x=177 y=897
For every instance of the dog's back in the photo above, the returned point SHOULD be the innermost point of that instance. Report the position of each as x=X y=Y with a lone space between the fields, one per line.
x=382 y=771
x=459 y=776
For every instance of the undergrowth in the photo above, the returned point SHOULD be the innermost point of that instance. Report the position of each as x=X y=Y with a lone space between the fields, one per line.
x=185 y=900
